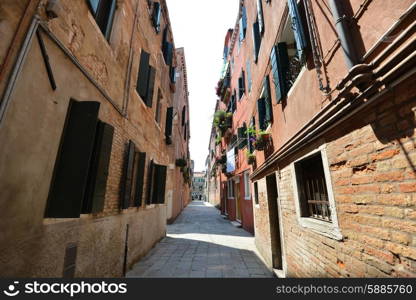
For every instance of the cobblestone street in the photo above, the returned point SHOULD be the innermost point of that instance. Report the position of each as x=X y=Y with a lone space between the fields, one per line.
x=202 y=244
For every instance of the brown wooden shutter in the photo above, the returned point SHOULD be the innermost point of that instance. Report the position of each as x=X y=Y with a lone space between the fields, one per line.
x=73 y=160
x=143 y=76
x=140 y=179
x=150 y=87
x=97 y=182
x=159 y=184
x=128 y=175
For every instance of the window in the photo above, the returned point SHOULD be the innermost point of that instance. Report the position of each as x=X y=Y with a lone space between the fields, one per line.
x=286 y=61
x=81 y=169
x=146 y=79
x=183 y=115
x=260 y=17
x=268 y=108
x=256 y=41
x=241 y=85
x=312 y=188
x=242 y=136
x=158 y=107
x=248 y=70
x=132 y=188
x=315 y=206
x=256 y=193
x=157 y=11
x=243 y=25
x=103 y=12
x=230 y=188
x=247 y=193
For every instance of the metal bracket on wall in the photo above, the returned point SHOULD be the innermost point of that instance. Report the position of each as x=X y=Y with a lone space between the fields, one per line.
x=46 y=60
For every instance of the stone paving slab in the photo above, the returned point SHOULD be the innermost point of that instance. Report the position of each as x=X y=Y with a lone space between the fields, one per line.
x=201 y=244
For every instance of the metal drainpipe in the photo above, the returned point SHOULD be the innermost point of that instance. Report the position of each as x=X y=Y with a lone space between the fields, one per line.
x=343 y=31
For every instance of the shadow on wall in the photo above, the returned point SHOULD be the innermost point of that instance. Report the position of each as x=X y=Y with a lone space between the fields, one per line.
x=396 y=124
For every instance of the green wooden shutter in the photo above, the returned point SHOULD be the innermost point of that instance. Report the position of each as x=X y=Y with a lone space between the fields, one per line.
x=159 y=184
x=169 y=124
x=70 y=178
x=169 y=54
x=140 y=179
x=242 y=137
x=150 y=176
x=268 y=101
x=256 y=41
x=297 y=27
x=280 y=65
x=128 y=175
x=97 y=182
x=143 y=76
x=260 y=17
x=261 y=110
x=150 y=87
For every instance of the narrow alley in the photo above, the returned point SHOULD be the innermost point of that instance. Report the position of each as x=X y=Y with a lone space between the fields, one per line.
x=202 y=244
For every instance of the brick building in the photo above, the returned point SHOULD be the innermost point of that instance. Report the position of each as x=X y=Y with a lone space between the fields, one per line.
x=181 y=129
x=86 y=128
x=326 y=91
x=199 y=186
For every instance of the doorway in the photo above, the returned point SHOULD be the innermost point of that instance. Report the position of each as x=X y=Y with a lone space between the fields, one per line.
x=272 y=200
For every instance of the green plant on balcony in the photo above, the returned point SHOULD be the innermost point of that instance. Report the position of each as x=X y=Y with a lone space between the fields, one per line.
x=223 y=121
x=222 y=159
x=251 y=158
x=218 y=140
x=181 y=162
x=262 y=139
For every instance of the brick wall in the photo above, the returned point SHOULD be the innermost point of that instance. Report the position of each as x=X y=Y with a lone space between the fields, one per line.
x=372 y=164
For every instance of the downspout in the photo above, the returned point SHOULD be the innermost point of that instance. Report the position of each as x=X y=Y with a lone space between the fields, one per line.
x=342 y=23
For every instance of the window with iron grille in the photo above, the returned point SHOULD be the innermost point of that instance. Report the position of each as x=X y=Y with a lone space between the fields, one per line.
x=312 y=188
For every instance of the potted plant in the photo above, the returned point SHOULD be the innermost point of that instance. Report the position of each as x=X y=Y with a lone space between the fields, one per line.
x=251 y=158
x=181 y=162
x=262 y=139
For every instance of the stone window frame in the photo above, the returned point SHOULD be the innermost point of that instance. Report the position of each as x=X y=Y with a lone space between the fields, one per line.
x=247 y=185
x=328 y=229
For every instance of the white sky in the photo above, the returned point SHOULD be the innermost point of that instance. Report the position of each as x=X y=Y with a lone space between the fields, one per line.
x=200 y=27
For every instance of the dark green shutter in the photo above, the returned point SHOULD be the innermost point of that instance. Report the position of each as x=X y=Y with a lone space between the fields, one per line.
x=140 y=179
x=150 y=183
x=242 y=136
x=97 y=182
x=261 y=110
x=143 y=76
x=150 y=87
x=73 y=160
x=172 y=74
x=183 y=115
x=128 y=175
x=267 y=98
x=169 y=122
x=280 y=65
x=256 y=41
x=260 y=18
x=297 y=27
x=159 y=184
x=169 y=53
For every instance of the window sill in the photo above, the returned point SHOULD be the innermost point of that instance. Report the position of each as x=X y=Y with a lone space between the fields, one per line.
x=321 y=227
